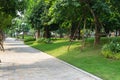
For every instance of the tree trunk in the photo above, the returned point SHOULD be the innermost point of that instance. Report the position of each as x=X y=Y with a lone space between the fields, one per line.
x=23 y=34
x=97 y=27
x=107 y=31
x=38 y=33
x=83 y=36
x=97 y=36
x=61 y=33
x=78 y=33
x=72 y=32
x=116 y=34
x=78 y=30
x=119 y=32
x=47 y=33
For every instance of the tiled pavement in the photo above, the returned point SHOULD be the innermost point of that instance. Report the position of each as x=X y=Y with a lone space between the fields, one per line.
x=21 y=62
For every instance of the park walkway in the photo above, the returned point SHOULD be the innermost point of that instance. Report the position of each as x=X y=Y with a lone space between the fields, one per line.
x=21 y=62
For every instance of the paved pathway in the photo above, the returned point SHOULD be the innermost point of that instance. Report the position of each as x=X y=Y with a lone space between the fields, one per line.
x=21 y=62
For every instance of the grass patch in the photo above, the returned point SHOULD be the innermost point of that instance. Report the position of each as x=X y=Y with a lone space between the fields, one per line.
x=90 y=59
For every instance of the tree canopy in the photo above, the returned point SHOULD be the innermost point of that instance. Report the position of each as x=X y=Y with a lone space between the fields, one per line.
x=75 y=15
x=8 y=10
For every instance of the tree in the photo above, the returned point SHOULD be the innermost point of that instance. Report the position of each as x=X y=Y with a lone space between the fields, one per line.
x=74 y=15
x=8 y=10
x=34 y=13
x=66 y=12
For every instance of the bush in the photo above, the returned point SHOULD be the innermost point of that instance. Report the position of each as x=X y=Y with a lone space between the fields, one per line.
x=29 y=39
x=40 y=40
x=43 y=40
x=112 y=50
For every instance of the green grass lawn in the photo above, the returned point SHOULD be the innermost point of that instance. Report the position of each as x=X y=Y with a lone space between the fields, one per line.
x=89 y=59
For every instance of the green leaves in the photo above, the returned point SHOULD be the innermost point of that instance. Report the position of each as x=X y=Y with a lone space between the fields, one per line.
x=8 y=9
x=112 y=50
x=101 y=6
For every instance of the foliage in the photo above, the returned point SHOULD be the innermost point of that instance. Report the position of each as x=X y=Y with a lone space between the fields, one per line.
x=71 y=14
x=5 y=20
x=34 y=12
x=40 y=40
x=43 y=40
x=8 y=9
x=29 y=39
x=112 y=50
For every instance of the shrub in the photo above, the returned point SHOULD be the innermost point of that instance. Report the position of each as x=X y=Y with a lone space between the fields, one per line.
x=112 y=50
x=40 y=40
x=43 y=40
x=29 y=39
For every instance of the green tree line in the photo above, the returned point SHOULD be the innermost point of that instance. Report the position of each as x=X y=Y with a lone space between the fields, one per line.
x=70 y=15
